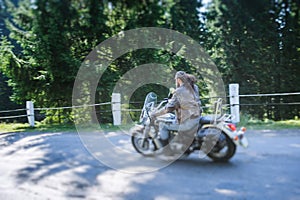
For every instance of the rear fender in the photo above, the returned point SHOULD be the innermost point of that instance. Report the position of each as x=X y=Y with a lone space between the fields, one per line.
x=221 y=127
x=236 y=136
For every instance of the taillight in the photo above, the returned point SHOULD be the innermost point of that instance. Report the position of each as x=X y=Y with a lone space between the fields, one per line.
x=231 y=127
x=243 y=129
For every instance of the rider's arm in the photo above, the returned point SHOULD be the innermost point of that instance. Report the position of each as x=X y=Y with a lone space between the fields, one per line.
x=172 y=105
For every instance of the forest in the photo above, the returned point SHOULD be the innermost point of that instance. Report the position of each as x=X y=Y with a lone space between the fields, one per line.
x=255 y=43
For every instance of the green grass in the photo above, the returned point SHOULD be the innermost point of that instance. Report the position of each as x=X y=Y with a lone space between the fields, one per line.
x=250 y=124
x=269 y=124
x=13 y=127
x=42 y=127
x=19 y=127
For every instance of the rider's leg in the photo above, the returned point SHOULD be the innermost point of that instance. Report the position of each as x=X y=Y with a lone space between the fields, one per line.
x=164 y=132
x=187 y=131
x=165 y=129
x=164 y=138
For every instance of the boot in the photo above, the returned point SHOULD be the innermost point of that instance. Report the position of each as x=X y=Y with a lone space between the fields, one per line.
x=167 y=151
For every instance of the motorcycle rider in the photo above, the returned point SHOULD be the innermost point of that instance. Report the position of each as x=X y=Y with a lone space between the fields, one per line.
x=184 y=102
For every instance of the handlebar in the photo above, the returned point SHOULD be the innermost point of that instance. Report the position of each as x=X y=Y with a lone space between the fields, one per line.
x=161 y=103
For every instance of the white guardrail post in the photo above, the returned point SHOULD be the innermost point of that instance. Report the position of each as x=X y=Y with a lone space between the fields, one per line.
x=234 y=102
x=116 y=108
x=30 y=113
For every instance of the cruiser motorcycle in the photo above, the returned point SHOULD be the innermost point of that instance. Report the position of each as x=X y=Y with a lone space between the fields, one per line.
x=216 y=136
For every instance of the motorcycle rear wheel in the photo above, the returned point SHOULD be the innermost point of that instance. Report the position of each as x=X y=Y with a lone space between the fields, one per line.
x=224 y=153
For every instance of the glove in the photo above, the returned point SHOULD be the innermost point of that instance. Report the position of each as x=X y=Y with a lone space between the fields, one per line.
x=171 y=92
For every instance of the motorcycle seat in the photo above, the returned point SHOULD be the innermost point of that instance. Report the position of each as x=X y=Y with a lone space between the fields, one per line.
x=206 y=120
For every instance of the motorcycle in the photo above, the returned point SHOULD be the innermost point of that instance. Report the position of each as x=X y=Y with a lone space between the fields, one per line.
x=216 y=136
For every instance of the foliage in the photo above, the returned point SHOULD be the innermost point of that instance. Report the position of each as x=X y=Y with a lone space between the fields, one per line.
x=254 y=43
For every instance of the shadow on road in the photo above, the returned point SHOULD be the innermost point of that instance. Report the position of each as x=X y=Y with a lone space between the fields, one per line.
x=58 y=166
x=51 y=159
x=204 y=163
x=59 y=163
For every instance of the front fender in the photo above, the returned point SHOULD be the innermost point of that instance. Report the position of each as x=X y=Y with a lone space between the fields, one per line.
x=136 y=128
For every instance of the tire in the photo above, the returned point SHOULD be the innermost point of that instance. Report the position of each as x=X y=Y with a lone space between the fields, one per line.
x=145 y=149
x=230 y=148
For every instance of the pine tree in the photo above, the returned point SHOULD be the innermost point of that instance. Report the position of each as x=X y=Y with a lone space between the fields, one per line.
x=247 y=42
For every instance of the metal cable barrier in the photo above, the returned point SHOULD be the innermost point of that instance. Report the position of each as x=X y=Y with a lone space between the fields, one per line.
x=13 y=111
x=117 y=107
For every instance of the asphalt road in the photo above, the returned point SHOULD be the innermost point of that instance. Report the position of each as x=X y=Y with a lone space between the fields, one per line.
x=57 y=166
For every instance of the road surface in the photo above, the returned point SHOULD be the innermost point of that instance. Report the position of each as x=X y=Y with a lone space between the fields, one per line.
x=58 y=166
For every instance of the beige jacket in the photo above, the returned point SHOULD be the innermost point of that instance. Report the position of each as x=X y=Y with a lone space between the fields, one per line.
x=184 y=102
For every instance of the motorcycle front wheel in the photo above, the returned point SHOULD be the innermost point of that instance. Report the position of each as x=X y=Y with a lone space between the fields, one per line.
x=144 y=146
x=223 y=150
